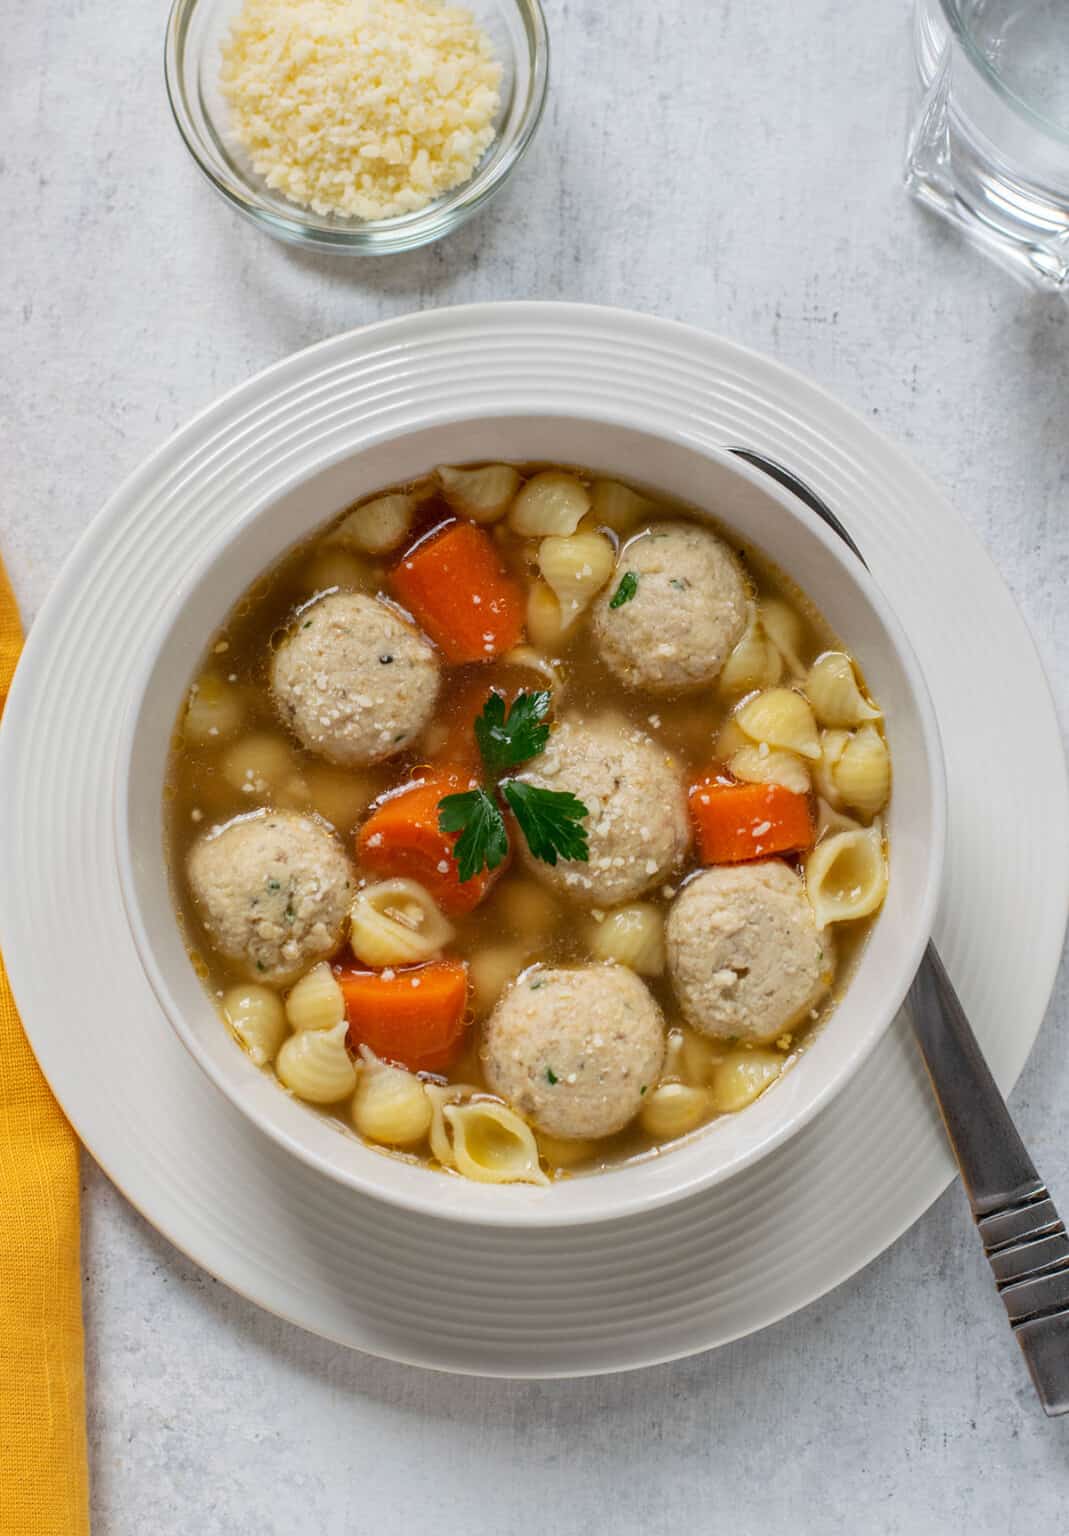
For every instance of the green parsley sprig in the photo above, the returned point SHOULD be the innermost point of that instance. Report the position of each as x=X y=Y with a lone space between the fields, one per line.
x=551 y=820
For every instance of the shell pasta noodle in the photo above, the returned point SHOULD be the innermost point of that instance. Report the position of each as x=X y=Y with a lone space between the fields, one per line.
x=754 y=663
x=395 y=922
x=391 y=1105
x=493 y=1145
x=846 y=876
x=575 y=569
x=257 y=1017
x=835 y=693
x=549 y=504
x=378 y=526
x=632 y=936
x=483 y=494
x=316 y=1002
x=522 y=823
x=316 y=1066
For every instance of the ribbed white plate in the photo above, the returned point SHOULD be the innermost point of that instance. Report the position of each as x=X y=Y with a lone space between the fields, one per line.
x=562 y=1301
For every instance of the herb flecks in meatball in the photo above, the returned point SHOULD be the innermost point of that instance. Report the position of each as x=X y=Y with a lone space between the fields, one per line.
x=574 y=1050
x=272 y=891
x=675 y=610
x=354 y=681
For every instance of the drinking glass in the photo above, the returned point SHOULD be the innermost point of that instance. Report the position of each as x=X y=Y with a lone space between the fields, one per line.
x=989 y=144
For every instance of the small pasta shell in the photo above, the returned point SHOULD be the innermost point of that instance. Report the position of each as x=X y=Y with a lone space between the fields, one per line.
x=833 y=690
x=215 y=710
x=316 y=1002
x=316 y=1067
x=545 y=621
x=397 y=922
x=548 y=672
x=863 y=772
x=779 y=717
x=390 y=1105
x=731 y=739
x=340 y=795
x=438 y=1096
x=492 y=1145
x=575 y=569
x=783 y=626
x=332 y=567
x=616 y=506
x=832 y=746
x=770 y=765
x=673 y=1109
x=550 y=503
x=483 y=494
x=257 y=1017
x=742 y=1077
x=377 y=526
x=631 y=936
x=490 y=971
x=672 y=1067
x=258 y=765
x=846 y=876
x=754 y=663
x=528 y=909
x=697 y=1058
x=830 y=821
x=293 y=793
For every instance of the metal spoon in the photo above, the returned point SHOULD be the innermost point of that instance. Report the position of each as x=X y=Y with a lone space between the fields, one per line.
x=1023 y=1237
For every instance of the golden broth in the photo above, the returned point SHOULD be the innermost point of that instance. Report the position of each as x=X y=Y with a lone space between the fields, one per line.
x=217 y=777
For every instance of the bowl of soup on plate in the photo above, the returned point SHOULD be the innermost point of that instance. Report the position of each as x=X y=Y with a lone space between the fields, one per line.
x=529 y=824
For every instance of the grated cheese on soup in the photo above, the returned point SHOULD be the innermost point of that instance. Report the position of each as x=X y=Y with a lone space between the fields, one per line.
x=368 y=108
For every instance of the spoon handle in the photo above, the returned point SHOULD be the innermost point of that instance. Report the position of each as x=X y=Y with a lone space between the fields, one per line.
x=1023 y=1237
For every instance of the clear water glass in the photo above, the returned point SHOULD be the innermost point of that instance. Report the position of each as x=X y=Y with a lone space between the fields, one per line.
x=989 y=143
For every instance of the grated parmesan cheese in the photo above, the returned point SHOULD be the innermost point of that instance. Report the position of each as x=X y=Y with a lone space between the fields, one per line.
x=368 y=108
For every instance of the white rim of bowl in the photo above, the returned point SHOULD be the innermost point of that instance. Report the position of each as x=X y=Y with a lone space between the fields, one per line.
x=544 y=1215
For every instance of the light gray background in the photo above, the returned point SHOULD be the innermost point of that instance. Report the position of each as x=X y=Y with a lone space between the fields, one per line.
x=736 y=166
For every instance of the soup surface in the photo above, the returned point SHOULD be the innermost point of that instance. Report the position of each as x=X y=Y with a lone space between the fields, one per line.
x=524 y=822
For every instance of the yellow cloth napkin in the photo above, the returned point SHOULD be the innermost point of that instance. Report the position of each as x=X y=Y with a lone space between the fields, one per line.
x=44 y=1481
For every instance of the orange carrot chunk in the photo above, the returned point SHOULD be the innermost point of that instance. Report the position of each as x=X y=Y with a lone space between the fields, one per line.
x=414 y=1017
x=455 y=587
x=401 y=839
x=736 y=822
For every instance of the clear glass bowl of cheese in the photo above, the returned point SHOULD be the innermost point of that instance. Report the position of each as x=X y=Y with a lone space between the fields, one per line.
x=197 y=35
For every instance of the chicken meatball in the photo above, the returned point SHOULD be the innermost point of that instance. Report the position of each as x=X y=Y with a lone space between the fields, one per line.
x=272 y=891
x=354 y=681
x=686 y=613
x=574 y=1050
x=744 y=954
x=637 y=824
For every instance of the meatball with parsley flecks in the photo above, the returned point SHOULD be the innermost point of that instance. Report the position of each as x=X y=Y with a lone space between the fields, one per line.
x=354 y=680
x=272 y=892
x=574 y=1051
x=674 y=611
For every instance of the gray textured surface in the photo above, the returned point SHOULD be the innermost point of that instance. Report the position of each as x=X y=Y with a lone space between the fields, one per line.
x=737 y=167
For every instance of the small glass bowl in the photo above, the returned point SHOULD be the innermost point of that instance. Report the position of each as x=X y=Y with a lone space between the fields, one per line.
x=195 y=30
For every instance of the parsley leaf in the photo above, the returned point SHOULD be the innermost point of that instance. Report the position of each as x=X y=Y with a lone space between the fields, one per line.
x=483 y=841
x=550 y=819
x=505 y=741
x=625 y=591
